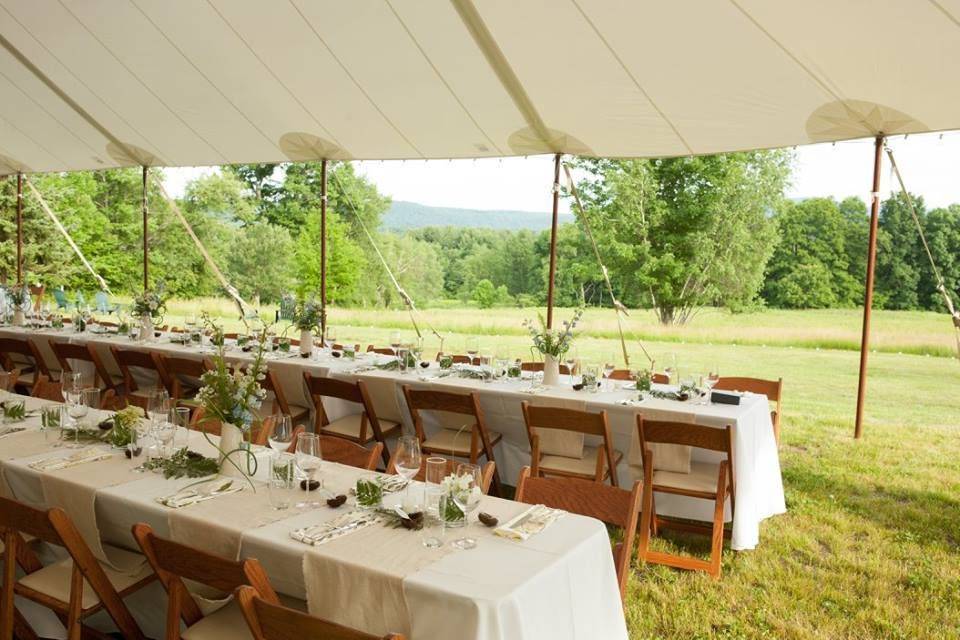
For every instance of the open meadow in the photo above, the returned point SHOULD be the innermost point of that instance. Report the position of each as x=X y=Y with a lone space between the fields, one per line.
x=870 y=546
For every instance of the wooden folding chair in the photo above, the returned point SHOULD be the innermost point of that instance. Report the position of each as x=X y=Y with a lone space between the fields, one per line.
x=595 y=463
x=183 y=375
x=128 y=360
x=706 y=481
x=384 y=351
x=363 y=427
x=74 y=588
x=271 y=384
x=343 y=451
x=773 y=389
x=270 y=621
x=67 y=351
x=47 y=390
x=22 y=354
x=450 y=467
x=174 y=562
x=538 y=366
x=472 y=440
x=612 y=505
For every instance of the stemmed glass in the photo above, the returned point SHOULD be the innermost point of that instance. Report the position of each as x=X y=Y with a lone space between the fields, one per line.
x=308 y=459
x=571 y=362
x=165 y=431
x=282 y=434
x=331 y=337
x=609 y=366
x=473 y=348
x=710 y=381
x=158 y=405
x=77 y=410
x=395 y=340
x=466 y=495
x=408 y=460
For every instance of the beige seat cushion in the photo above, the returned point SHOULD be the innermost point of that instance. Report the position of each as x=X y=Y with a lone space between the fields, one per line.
x=226 y=623
x=702 y=477
x=350 y=426
x=559 y=442
x=670 y=457
x=54 y=579
x=586 y=466
x=456 y=441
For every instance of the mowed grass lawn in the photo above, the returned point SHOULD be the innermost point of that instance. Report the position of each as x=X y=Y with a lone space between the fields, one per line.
x=870 y=545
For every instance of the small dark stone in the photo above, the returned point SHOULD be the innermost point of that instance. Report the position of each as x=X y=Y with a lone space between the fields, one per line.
x=335 y=354
x=105 y=425
x=578 y=386
x=133 y=453
x=304 y=355
x=314 y=485
x=424 y=364
x=193 y=455
x=416 y=517
x=333 y=503
x=487 y=519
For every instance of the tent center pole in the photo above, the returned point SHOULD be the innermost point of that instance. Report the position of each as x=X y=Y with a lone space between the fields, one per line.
x=323 y=250
x=146 y=275
x=553 y=239
x=19 y=228
x=868 y=292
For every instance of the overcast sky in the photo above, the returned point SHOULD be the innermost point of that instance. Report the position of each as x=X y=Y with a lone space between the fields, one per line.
x=930 y=165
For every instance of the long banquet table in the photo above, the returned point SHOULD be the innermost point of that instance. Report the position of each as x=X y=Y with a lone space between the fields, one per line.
x=757 y=477
x=560 y=583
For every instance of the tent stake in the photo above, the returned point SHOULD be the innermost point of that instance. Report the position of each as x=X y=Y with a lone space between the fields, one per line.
x=19 y=228
x=553 y=239
x=323 y=249
x=146 y=279
x=868 y=293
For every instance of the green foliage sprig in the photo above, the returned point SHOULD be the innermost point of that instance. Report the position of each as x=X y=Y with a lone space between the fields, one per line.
x=394 y=363
x=308 y=314
x=184 y=463
x=553 y=342
x=14 y=412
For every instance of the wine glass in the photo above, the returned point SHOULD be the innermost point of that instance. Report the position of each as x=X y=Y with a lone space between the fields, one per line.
x=395 y=340
x=158 y=405
x=331 y=337
x=609 y=366
x=282 y=434
x=73 y=381
x=466 y=495
x=710 y=381
x=571 y=360
x=308 y=459
x=408 y=459
x=165 y=430
x=77 y=410
x=673 y=376
x=473 y=347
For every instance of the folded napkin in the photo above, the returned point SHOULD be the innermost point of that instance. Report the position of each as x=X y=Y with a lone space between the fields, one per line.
x=193 y=495
x=339 y=526
x=90 y=454
x=530 y=522
x=6 y=431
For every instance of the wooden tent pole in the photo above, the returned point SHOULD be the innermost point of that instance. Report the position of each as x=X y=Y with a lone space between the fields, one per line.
x=19 y=228
x=146 y=274
x=553 y=239
x=868 y=293
x=323 y=249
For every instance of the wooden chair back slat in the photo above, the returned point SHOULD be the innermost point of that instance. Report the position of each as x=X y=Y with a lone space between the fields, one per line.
x=17 y=516
x=585 y=422
x=269 y=621
x=333 y=388
x=430 y=400
x=612 y=505
x=67 y=351
x=349 y=453
x=683 y=433
x=384 y=351
x=538 y=366
x=450 y=467
x=770 y=388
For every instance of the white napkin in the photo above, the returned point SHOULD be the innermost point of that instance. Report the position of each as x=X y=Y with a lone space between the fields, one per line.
x=83 y=456
x=339 y=526
x=193 y=495
x=530 y=522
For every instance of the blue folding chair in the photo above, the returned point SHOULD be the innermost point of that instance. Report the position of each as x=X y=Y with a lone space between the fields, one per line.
x=102 y=303
x=61 y=297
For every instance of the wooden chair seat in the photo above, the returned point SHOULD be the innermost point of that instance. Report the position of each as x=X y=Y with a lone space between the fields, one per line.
x=226 y=623
x=702 y=479
x=349 y=427
x=53 y=580
x=580 y=467
x=455 y=442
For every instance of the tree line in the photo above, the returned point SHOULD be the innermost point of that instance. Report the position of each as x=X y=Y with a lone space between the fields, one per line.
x=676 y=235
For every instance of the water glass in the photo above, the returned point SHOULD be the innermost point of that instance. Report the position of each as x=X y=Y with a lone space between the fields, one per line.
x=435 y=473
x=308 y=460
x=434 y=529
x=282 y=473
x=52 y=421
x=180 y=417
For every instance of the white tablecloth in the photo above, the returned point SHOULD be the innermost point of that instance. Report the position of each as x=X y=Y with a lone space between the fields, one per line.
x=757 y=478
x=559 y=584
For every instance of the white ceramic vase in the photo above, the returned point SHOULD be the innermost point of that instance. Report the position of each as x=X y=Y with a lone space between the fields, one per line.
x=18 y=317
x=233 y=463
x=551 y=371
x=306 y=342
x=146 y=328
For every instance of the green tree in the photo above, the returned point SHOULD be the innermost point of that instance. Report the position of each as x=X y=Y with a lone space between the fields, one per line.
x=260 y=261
x=942 y=230
x=899 y=260
x=485 y=294
x=345 y=260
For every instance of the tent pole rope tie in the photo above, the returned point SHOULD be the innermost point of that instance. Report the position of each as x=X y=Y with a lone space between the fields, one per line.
x=62 y=229
x=231 y=290
x=618 y=306
x=407 y=300
x=941 y=285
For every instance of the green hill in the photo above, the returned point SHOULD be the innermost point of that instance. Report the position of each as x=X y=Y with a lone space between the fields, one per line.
x=411 y=215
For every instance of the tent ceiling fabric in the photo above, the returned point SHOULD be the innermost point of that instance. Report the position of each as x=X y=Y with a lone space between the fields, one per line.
x=91 y=84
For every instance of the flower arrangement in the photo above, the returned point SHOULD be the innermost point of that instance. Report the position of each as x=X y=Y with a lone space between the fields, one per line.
x=19 y=296
x=644 y=379
x=152 y=304
x=308 y=314
x=458 y=486
x=553 y=342
x=124 y=423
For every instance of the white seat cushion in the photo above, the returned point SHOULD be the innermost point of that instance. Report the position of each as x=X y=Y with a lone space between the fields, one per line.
x=585 y=466
x=456 y=441
x=226 y=623
x=54 y=579
x=350 y=426
x=702 y=477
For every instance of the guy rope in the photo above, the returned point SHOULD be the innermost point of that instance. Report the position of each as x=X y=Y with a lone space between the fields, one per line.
x=941 y=286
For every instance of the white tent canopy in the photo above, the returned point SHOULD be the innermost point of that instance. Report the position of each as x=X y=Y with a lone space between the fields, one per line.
x=105 y=83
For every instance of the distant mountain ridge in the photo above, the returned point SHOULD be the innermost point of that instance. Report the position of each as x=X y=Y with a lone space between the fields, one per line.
x=412 y=215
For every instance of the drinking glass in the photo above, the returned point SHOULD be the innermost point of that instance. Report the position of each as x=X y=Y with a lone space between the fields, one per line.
x=609 y=366
x=180 y=417
x=134 y=449
x=143 y=428
x=165 y=430
x=308 y=458
x=408 y=459
x=435 y=472
x=282 y=434
x=571 y=361
x=395 y=340
x=473 y=347
x=72 y=381
x=709 y=381
x=52 y=421
x=158 y=405
x=434 y=530
x=467 y=497
x=282 y=472
x=673 y=375
x=331 y=337
x=77 y=411
x=589 y=377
